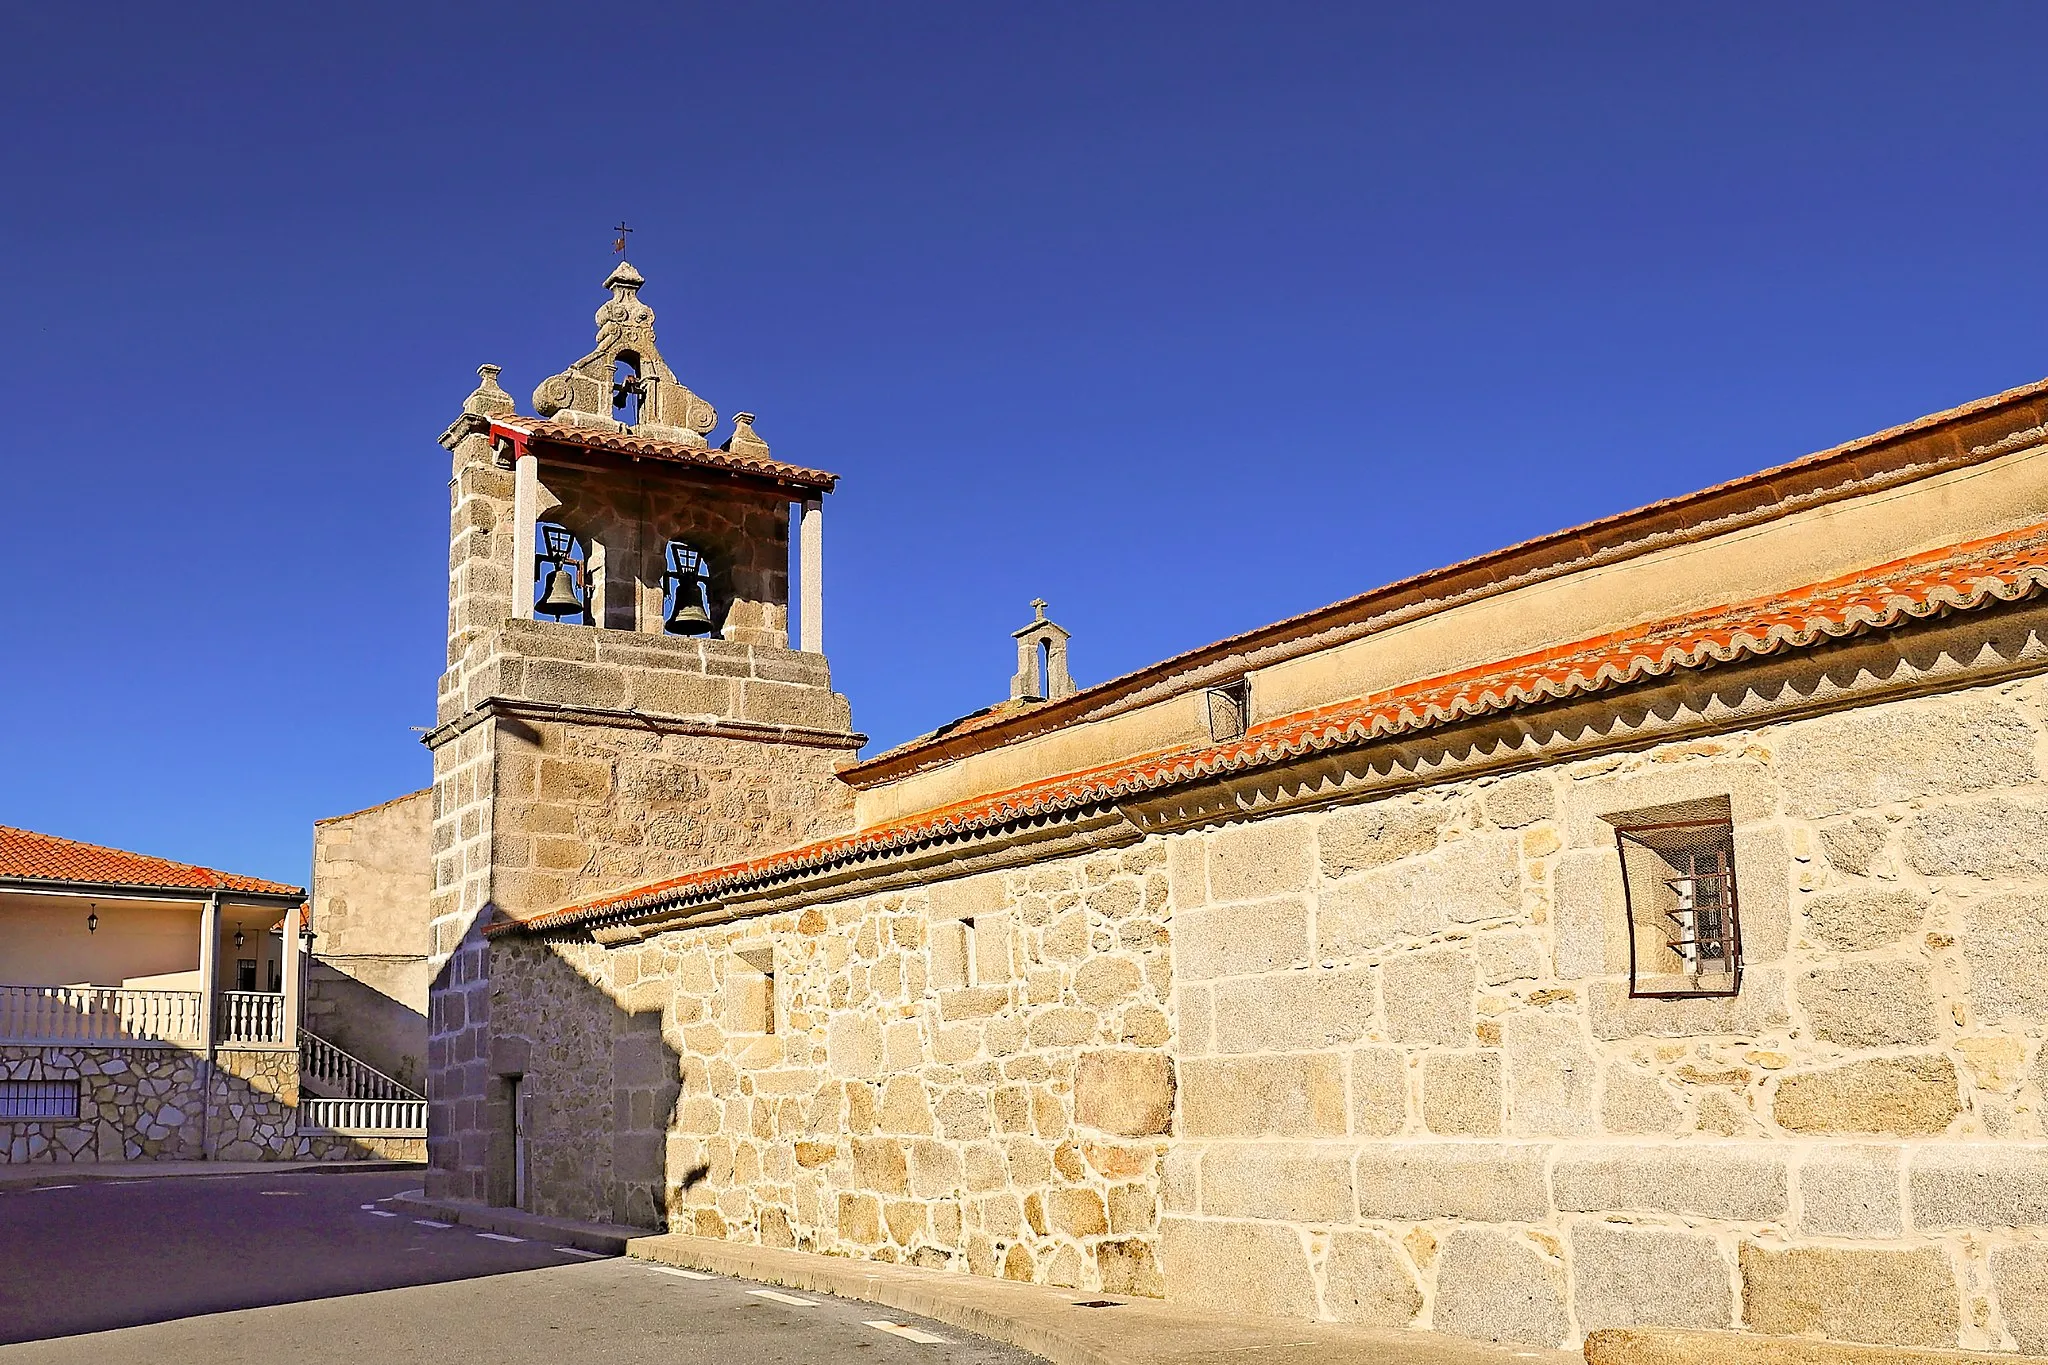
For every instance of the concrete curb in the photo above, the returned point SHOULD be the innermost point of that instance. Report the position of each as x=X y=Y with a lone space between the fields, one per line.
x=1055 y=1324
x=89 y=1174
x=1654 y=1346
x=608 y=1239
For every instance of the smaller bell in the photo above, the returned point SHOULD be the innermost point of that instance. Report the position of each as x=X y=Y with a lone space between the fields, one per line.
x=560 y=599
x=687 y=616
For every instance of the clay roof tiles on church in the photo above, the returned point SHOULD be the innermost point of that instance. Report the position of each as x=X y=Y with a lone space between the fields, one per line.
x=1961 y=577
x=26 y=856
x=654 y=448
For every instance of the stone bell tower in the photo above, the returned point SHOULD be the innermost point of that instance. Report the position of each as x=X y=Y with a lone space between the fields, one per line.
x=621 y=702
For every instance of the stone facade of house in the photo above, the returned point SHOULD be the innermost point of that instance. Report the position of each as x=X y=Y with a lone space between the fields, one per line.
x=1344 y=1019
x=147 y=1103
x=367 y=975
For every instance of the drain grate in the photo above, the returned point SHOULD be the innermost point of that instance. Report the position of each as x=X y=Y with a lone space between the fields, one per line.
x=1100 y=1303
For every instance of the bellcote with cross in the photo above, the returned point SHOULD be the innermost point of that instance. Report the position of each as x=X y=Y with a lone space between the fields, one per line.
x=610 y=510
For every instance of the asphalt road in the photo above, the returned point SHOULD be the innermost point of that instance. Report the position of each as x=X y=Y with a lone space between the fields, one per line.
x=220 y=1270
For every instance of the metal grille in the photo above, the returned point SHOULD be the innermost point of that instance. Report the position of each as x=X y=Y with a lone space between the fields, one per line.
x=1684 y=925
x=38 y=1099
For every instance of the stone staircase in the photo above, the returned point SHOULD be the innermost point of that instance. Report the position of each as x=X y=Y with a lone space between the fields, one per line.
x=327 y=1072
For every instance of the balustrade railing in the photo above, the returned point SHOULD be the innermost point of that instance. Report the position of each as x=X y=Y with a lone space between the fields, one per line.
x=100 y=1014
x=250 y=1017
x=406 y=1118
x=322 y=1061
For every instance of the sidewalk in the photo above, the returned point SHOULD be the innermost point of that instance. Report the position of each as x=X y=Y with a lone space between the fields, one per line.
x=89 y=1172
x=1049 y=1322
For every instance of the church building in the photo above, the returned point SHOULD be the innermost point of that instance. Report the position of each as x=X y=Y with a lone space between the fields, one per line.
x=1644 y=924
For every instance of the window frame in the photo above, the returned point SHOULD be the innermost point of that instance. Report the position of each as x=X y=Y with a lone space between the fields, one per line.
x=1630 y=829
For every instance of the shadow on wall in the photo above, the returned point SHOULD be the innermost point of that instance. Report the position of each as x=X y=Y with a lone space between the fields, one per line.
x=367 y=1022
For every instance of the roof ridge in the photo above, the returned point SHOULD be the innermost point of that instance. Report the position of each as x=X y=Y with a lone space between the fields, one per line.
x=215 y=878
x=1875 y=597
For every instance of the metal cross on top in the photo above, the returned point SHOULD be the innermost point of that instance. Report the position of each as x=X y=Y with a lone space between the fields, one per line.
x=619 y=246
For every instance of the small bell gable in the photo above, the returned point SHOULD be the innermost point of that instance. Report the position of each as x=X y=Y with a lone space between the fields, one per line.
x=624 y=384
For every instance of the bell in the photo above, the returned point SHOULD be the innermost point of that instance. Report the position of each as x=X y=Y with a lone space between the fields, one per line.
x=560 y=599
x=687 y=616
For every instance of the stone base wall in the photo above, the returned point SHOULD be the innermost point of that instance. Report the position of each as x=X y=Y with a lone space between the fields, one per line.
x=1380 y=1062
x=148 y=1104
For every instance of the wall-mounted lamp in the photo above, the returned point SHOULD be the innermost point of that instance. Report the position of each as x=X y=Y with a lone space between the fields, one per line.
x=92 y=919
x=240 y=937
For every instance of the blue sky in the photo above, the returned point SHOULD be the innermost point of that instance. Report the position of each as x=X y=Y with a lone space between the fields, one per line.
x=1185 y=317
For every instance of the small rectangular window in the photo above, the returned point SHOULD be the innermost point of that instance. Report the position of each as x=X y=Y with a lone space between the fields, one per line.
x=38 y=1099
x=750 y=991
x=1678 y=879
x=1230 y=710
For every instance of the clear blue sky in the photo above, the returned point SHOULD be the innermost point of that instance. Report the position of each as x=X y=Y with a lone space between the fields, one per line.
x=1184 y=317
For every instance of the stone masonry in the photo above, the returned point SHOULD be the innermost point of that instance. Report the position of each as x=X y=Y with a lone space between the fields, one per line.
x=1378 y=1063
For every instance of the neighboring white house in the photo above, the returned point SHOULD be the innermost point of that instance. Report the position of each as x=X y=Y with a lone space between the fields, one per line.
x=151 y=1009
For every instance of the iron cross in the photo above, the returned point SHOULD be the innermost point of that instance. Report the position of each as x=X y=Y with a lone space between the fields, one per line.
x=619 y=247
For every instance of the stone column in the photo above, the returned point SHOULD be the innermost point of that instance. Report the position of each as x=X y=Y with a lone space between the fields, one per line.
x=209 y=972
x=209 y=1011
x=811 y=567
x=294 y=978
x=525 y=512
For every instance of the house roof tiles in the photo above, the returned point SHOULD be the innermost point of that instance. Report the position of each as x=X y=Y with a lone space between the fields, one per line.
x=1960 y=577
x=31 y=857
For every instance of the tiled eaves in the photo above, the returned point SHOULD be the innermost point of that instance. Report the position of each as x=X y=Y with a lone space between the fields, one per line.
x=1962 y=577
x=653 y=448
x=1955 y=438
x=28 y=858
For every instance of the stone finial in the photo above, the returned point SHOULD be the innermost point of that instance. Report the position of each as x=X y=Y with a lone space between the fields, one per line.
x=489 y=400
x=1041 y=659
x=583 y=393
x=744 y=440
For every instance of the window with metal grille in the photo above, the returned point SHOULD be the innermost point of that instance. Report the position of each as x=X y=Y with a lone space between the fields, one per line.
x=1684 y=918
x=1230 y=710
x=38 y=1099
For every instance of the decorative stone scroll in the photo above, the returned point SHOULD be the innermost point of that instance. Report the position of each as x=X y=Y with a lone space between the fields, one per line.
x=582 y=394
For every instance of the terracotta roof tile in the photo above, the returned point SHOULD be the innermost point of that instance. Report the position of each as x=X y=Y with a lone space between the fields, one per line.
x=29 y=856
x=1958 y=578
x=654 y=448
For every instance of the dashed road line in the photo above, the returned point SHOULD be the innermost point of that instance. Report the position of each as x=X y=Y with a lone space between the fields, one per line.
x=430 y=1223
x=380 y=1213
x=579 y=1251
x=37 y=1189
x=780 y=1297
x=897 y=1329
x=371 y=1208
x=499 y=1237
x=681 y=1274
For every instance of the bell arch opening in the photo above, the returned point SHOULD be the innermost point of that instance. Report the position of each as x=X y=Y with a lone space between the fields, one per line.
x=628 y=389
x=562 y=588
x=685 y=590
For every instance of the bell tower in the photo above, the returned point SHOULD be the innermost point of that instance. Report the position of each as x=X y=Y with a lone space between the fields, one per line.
x=621 y=701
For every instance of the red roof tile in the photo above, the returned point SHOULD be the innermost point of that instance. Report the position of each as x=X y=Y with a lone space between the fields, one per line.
x=654 y=448
x=1959 y=578
x=29 y=856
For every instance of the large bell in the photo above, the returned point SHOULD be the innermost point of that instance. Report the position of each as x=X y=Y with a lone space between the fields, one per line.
x=687 y=616
x=560 y=599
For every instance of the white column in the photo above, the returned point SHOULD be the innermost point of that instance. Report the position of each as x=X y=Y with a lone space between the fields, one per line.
x=525 y=512
x=209 y=972
x=294 y=978
x=811 y=567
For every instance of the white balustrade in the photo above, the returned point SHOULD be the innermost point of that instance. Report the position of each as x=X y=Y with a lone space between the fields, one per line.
x=355 y=1078
x=65 y=1014
x=363 y=1118
x=250 y=1017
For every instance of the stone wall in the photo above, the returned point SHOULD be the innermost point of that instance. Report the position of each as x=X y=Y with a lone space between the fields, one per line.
x=367 y=981
x=143 y=1103
x=1379 y=1062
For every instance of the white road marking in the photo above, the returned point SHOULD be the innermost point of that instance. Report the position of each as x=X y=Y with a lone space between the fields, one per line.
x=783 y=1298
x=497 y=1237
x=579 y=1251
x=282 y=1194
x=685 y=1274
x=371 y=1207
x=897 y=1329
x=53 y=1187
x=380 y=1213
x=430 y=1223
